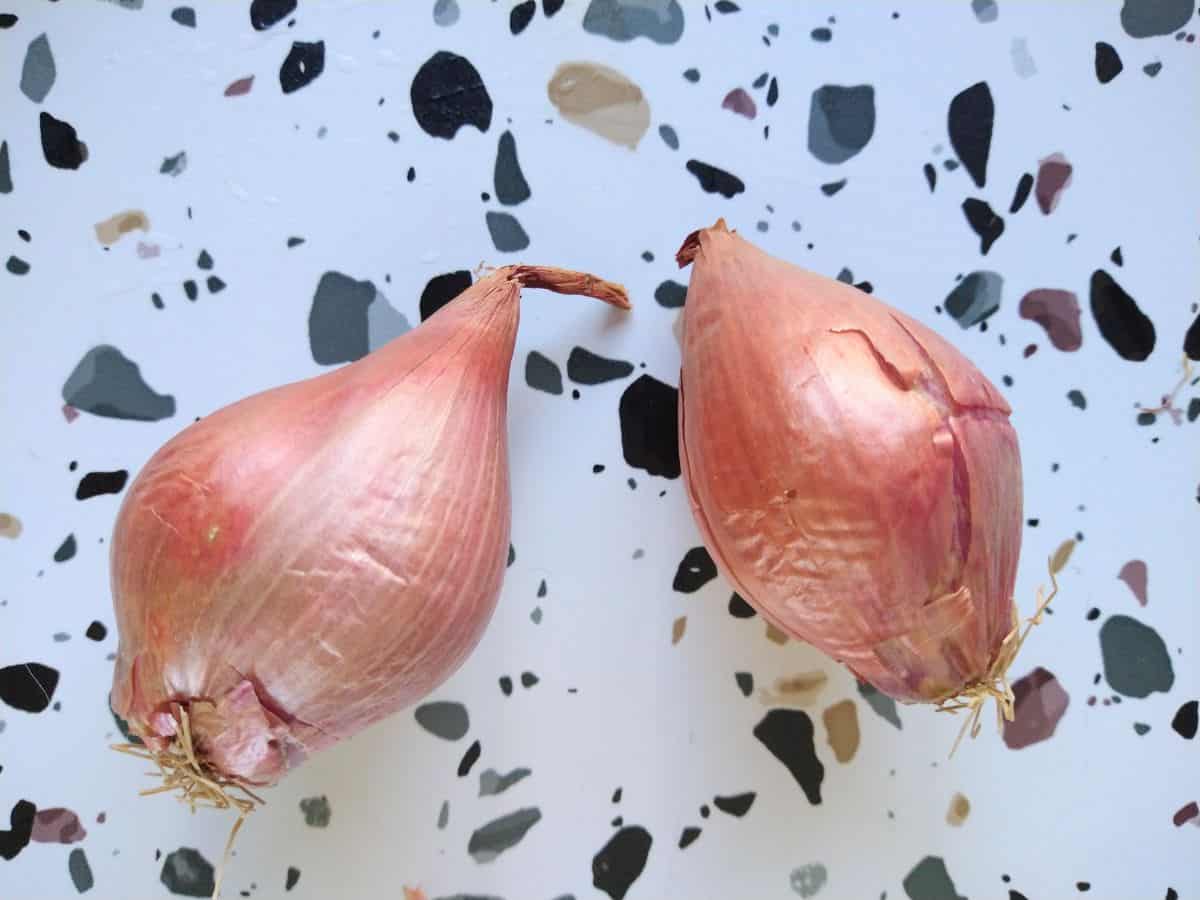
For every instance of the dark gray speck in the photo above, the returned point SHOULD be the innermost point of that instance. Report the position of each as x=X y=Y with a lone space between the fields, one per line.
x=498 y=835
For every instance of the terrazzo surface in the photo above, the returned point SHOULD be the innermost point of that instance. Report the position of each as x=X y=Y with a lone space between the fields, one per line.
x=200 y=202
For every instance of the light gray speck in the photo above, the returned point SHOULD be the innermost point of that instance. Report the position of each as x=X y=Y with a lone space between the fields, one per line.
x=80 y=871
x=60 y=636
x=509 y=181
x=5 y=170
x=808 y=880
x=492 y=782
x=1151 y=18
x=106 y=383
x=445 y=13
x=639 y=553
x=985 y=10
x=338 y=321
x=174 y=165
x=38 y=72
x=670 y=138
x=127 y=4
x=322 y=131
x=975 y=298
x=623 y=20
x=536 y=615
x=316 y=811
x=507 y=234
x=444 y=815
x=841 y=120
x=446 y=719
x=881 y=703
x=762 y=225
x=2 y=726
x=498 y=835
x=929 y=880
x=385 y=323
x=1022 y=60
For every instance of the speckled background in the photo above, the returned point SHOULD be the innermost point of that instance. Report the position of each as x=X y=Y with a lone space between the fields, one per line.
x=198 y=202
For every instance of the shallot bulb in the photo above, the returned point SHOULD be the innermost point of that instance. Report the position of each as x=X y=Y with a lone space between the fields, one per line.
x=854 y=476
x=302 y=563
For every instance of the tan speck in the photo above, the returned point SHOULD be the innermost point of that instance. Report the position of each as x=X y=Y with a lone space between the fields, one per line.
x=960 y=808
x=10 y=526
x=110 y=230
x=775 y=636
x=602 y=100
x=796 y=691
x=678 y=627
x=841 y=721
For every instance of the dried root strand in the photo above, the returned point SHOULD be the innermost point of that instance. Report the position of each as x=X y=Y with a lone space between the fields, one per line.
x=198 y=784
x=995 y=685
x=1168 y=400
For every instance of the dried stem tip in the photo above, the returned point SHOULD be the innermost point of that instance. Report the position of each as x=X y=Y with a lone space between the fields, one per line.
x=567 y=281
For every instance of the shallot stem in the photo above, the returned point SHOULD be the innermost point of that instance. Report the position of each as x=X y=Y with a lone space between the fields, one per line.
x=568 y=281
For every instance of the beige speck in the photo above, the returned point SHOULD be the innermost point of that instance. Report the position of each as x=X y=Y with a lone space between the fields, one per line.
x=1061 y=556
x=960 y=808
x=841 y=722
x=213 y=531
x=775 y=636
x=602 y=100
x=796 y=691
x=413 y=894
x=10 y=526
x=678 y=627
x=110 y=230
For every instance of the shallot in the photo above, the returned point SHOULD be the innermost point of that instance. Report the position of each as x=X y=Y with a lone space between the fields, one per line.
x=304 y=562
x=854 y=476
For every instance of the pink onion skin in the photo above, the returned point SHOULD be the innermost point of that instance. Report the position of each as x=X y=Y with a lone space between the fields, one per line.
x=302 y=563
x=853 y=474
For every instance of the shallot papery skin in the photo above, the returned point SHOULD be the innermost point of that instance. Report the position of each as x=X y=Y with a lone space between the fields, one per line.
x=854 y=476
x=304 y=562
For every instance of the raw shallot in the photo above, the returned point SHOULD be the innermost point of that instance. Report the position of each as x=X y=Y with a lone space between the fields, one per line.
x=855 y=477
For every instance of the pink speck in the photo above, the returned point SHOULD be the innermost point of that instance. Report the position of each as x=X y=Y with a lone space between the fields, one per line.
x=148 y=251
x=1053 y=177
x=69 y=412
x=240 y=87
x=57 y=825
x=740 y=102
x=1188 y=813
x=1040 y=702
x=1135 y=574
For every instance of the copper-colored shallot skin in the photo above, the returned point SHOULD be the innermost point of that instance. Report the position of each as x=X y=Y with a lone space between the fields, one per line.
x=302 y=563
x=853 y=474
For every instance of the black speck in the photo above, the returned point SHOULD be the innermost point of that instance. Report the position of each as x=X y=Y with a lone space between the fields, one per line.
x=1185 y=721
x=16 y=265
x=649 y=414
x=969 y=120
x=692 y=75
x=550 y=7
x=302 y=66
x=411 y=175
x=688 y=837
x=739 y=608
x=28 y=687
x=745 y=682
x=294 y=242
x=96 y=631
x=440 y=290
x=204 y=260
x=521 y=15
x=94 y=484
x=621 y=861
x=60 y=144
x=1032 y=523
x=469 y=759
x=788 y=734
x=773 y=92
x=1116 y=257
x=1108 y=63
x=715 y=181
x=543 y=373
x=265 y=13
x=670 y=294
x=190 y=289
x=214 y=284
x=696 y=569
x=821 y=35
x=1122 y=323
x=1021 y=194
x=726 y=6
x=394 y=137
x=984 y=222
x=736 y=805
x=506 y=685
x=833 y=187
x=185 y=16
x=528 y=679
x=292 y=878
x=930 y=176
x=447 y=93
x=20 y=829
x=1093 y=614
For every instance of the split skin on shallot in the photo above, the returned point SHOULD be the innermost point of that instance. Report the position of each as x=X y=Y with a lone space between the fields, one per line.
x=309 y=560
